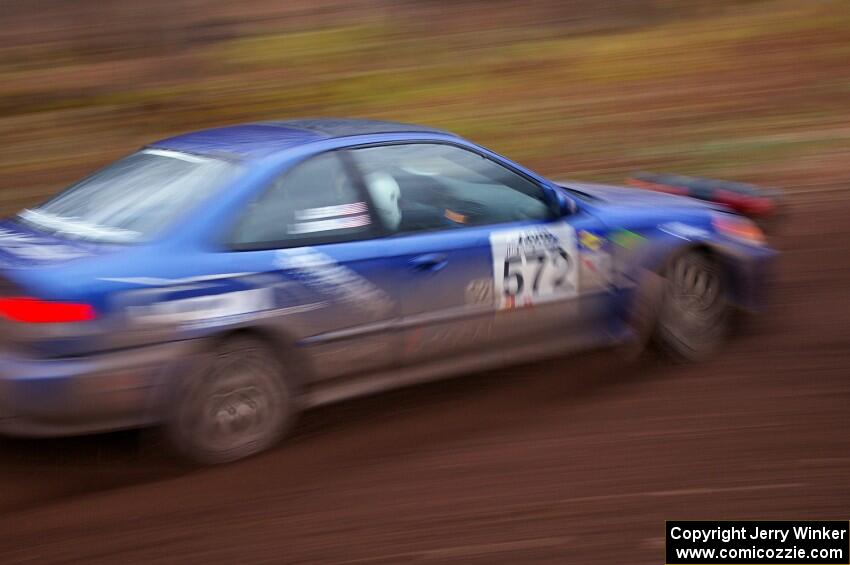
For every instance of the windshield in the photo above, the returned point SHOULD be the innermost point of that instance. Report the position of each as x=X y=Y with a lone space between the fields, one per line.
x=131 y=199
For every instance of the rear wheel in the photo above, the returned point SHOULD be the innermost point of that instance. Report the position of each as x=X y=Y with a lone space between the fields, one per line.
x=694 y=315
x=233 y=404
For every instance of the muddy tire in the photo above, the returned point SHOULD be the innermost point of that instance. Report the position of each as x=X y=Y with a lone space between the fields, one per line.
x=233 y=403
x=694 y=315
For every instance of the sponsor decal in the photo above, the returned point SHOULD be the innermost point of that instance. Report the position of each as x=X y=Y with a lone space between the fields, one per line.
x=168 y=309
x=156 y=281
x=205 y=300
x=627 y=239
x=590 y=241
x=534 y=265
x=28 y=246
x=684 y=231
x=479 y=291
x=337 y=282
x=205 y=307
x=440 y=338
x=598 y=270
x=219 y=320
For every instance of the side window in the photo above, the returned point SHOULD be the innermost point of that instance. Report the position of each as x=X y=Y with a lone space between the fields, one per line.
x=314 y=202
x=422 y=186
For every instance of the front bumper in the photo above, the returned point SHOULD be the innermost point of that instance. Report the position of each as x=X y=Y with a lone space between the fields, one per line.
x=752 y=274
x=102 y=392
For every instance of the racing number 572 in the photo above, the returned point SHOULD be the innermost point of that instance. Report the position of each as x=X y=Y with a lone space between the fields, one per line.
x=533 y=265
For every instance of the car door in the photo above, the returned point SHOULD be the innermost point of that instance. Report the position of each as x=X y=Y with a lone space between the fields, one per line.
x=489 y=264
x=313 y=233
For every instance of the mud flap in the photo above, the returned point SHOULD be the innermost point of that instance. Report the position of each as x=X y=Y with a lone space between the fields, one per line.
x=641 y=315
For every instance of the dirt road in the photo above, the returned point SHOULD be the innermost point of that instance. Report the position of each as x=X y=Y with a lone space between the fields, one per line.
x=577 y=460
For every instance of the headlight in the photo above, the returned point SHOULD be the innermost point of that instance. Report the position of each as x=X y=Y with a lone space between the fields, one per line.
x=741 y=229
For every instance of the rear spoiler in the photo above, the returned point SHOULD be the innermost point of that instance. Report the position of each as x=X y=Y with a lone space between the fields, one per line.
x=759 y=203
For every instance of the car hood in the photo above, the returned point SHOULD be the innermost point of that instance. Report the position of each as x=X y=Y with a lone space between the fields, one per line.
x=22 y=247
x=636 y=197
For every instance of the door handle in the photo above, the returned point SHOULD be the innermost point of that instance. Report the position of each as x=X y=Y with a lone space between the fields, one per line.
x=431 y=262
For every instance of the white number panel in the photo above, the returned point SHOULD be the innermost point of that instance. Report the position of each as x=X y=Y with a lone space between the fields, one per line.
x=534 y=264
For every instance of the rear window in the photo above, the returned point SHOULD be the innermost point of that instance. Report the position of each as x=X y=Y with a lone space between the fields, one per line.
x=131 y=199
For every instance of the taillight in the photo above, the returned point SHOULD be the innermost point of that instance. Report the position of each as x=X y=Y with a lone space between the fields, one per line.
x=35 y=311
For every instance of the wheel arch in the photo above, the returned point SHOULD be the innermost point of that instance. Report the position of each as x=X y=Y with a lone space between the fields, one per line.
x=721 y=257
x=640 y=310
x=280 y=344
x=297 y=368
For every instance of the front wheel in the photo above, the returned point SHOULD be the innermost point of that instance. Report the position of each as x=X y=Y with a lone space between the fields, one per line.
x=694 y=314
x=233 y=404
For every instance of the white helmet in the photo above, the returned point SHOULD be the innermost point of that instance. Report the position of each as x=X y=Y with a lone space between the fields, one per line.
x=385 y=194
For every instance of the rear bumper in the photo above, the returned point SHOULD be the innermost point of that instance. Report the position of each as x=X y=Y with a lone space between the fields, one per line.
x=108 y=391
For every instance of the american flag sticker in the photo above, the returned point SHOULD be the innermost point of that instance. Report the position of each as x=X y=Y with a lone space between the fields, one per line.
x=329 y=218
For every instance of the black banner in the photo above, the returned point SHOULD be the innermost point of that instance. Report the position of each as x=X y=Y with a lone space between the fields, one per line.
x=758 y=543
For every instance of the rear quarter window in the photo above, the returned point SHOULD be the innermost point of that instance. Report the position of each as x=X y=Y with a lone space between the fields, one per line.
x=314 y=202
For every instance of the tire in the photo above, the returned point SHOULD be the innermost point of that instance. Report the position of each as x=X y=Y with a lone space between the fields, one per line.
x=233 y=403
x=694 y=316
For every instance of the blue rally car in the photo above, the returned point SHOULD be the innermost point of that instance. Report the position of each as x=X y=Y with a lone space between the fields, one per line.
x=216 y=283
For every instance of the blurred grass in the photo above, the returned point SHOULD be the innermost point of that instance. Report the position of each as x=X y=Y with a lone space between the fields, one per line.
x=742 y=91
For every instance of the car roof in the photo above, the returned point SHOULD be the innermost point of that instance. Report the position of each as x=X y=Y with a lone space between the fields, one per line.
x=260 y=139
